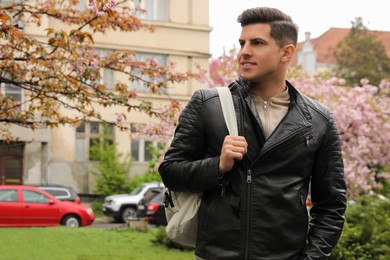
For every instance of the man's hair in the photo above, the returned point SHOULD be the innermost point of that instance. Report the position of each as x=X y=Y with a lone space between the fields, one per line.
x=283 y=29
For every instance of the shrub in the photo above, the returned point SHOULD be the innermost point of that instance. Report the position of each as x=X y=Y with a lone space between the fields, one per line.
x=113 y=166
x=96 y=206
x=366 y=233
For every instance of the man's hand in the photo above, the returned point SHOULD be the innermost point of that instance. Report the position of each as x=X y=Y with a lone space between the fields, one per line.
x=233 y=148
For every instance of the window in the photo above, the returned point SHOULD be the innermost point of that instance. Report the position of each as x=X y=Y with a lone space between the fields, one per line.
x=58 y=193
x=9 y=2
x=156 y=10
x=139 y=147
x=8 y=195
x=34 y=197
x=89 y=133
x=139 y=150
x=11 y=90
x=161 y=60
x=107 y=75
x=16 y=19
x=11 y=163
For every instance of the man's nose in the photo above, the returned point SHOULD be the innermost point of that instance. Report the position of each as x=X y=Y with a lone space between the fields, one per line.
x=245 y=50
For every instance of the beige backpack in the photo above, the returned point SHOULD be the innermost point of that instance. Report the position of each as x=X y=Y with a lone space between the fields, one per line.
x=181 y=208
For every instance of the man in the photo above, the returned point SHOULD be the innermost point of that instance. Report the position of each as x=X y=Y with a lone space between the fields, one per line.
x=255 y=185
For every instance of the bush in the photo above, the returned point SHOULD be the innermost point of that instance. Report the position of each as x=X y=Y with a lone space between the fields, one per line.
x=96 y=206
x=113 y=166
x=366 y=233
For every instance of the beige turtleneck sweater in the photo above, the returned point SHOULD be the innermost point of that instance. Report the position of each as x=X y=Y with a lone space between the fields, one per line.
x=272 y=111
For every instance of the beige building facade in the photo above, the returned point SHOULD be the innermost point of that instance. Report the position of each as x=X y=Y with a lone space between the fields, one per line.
x=61 y=155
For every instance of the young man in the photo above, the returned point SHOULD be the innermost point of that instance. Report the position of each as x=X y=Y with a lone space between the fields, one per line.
x=255 y=185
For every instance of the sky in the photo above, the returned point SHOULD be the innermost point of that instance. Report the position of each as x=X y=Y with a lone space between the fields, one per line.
x=314 y=16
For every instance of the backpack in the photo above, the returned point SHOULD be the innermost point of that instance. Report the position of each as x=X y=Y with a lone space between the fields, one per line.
x=181 y=208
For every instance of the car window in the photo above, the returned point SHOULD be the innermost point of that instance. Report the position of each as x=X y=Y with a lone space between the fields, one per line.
x=57 y=192
x=151 y=193
x=137 y=190
x=159 y=198
x=34 y=197
x=10 y=195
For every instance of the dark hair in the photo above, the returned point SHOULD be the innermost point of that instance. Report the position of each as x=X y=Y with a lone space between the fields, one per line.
x=283 y=29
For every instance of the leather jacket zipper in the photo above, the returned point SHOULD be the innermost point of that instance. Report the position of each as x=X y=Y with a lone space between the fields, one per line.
x=249 y=176
x=247 y=233
x=248 y=215
x=249 y=186
x=266 y=118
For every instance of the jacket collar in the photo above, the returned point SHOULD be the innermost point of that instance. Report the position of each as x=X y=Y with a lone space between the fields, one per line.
x=296 y=98
x=297 y=118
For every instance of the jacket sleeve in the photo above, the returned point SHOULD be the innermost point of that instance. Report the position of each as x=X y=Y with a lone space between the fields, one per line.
x=328 y=193
x=183 y=167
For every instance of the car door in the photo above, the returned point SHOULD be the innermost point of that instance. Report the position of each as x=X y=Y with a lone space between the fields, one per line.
x=10 y=207
x=39 y=209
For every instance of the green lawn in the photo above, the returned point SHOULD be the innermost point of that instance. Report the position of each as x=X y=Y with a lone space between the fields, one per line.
x=83 y=244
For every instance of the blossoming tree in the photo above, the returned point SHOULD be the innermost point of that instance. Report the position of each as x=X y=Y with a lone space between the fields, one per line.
x=63 y=72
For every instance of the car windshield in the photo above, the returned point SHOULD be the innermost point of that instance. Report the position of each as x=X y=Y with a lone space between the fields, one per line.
x=137 y=190
x=159 y=198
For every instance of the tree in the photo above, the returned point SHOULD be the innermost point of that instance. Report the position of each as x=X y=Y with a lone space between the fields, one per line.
x=112 y=177
x=61 y=76
x=361 y=55
x=362 y=116
x=222 y=69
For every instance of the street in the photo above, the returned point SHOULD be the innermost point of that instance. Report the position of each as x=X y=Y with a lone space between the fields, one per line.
x=106 y=223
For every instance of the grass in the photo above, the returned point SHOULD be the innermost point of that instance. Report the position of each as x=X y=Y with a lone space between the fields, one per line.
x=61 y=243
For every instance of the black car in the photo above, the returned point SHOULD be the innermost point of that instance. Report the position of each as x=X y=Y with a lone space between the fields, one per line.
x=155 y=211
x=60 y=192
x=142 y=206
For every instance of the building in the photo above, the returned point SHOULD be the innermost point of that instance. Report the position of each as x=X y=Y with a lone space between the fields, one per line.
x=61 y=155
x=317 y=54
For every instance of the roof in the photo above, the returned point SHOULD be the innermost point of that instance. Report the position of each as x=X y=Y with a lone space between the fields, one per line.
x=324 y=44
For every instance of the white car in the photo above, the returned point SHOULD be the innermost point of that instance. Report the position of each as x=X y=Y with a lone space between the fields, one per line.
x=124 y=206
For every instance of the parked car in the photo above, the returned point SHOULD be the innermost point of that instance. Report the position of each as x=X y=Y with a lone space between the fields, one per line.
x=143 y=204
x=60 y=192
x=124 y=206
x=155 y=211
x=22 y=205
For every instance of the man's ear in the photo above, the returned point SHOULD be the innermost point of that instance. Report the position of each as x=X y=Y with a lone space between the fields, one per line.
x=288 y=52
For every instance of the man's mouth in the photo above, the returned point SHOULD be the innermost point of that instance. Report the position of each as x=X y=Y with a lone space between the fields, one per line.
x=247 y=64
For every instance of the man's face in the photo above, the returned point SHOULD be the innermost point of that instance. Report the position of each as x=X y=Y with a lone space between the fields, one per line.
x=259 y=57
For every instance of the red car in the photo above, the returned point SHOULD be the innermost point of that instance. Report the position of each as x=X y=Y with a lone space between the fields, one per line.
x=30 y=206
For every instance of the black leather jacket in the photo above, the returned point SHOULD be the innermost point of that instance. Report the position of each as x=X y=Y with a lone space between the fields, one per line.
x=258 y=210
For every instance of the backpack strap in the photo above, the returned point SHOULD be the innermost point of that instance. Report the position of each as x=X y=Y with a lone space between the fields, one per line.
x=225 y=96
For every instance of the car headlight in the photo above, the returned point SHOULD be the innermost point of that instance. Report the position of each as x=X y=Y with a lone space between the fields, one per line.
x=113 y=203
x=89 y=211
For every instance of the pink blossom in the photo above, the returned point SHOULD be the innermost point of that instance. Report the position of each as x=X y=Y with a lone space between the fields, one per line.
x=94 y=7
x=110 y=5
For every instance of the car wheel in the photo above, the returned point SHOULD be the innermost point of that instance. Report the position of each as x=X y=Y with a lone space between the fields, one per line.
x=71 y=221
x=127 y=213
